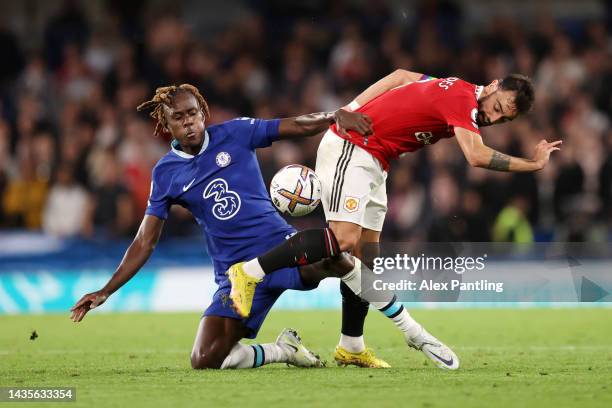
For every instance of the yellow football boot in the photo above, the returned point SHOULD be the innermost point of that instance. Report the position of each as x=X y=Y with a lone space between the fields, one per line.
x=365 y=359
x=243 y=289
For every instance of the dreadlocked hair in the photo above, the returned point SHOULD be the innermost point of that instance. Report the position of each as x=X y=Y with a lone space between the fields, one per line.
x=164 y=96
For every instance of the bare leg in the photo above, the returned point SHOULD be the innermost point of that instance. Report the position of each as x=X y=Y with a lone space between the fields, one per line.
x=215 y=338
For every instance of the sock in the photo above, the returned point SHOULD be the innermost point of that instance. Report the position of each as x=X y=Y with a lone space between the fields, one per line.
x=303 y=248
x=391 y=308
x=275 y=353
x=240 y=356
x=352 y=281
x=352 y=344
x=254 y=355
x=395 y=311
x=253 y=268
x=354 y=312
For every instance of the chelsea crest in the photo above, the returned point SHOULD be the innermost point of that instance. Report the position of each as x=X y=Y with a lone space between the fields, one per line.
x=223 y=159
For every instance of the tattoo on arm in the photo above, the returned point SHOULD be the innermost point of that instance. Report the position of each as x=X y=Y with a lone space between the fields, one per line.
x=500 y=162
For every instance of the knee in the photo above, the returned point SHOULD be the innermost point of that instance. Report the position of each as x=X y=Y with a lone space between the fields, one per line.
x=209 y=357
x=202 y=359
x=340 y=266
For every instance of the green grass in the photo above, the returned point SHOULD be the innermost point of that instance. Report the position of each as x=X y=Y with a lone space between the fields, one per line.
x=523 y=358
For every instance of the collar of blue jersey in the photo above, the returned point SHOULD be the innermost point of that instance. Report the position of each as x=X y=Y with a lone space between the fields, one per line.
x=176 y=147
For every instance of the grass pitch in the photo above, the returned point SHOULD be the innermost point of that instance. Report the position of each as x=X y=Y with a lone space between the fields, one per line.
x=514 y=358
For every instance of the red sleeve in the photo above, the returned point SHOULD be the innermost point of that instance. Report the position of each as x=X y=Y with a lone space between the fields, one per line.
x=460 y=111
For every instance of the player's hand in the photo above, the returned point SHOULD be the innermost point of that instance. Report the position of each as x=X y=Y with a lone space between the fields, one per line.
x=87 y=302
x=543 y=151
x=356 y=121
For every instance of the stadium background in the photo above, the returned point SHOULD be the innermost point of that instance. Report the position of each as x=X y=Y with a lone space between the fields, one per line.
x=75 y=156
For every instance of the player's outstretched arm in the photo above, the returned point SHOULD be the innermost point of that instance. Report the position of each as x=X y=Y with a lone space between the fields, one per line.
x=314 y=123
x=480 y=155
x=136 y=255
x=397 y=78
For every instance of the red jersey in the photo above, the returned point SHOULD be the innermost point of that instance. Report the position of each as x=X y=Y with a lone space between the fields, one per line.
x=411 y=116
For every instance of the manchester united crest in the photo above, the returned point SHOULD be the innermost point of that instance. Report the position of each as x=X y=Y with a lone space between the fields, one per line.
x=351 y=204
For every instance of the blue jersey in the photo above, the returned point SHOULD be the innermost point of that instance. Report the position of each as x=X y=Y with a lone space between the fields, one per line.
x=223 y=188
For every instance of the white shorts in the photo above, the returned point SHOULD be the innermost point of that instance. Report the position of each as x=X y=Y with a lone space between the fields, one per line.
x=353 y=183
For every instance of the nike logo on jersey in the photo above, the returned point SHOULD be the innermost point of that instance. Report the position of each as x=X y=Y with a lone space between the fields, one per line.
x=185 y=188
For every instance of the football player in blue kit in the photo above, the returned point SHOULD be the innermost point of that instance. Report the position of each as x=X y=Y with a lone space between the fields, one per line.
x=214 y=173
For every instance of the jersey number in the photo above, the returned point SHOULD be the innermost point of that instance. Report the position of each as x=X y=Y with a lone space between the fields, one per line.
x=227 y=202
x=447 y=83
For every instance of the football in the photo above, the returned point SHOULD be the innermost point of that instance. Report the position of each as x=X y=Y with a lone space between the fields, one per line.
x=295 y=190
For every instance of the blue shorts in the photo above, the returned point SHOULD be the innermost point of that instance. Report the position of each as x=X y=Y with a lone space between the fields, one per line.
x=266 y=293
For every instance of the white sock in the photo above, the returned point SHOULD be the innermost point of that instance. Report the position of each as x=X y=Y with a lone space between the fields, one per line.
x=241 y=356
x=275 y=353
x=253 y=268
x=393 y=309
x=255 y=355
x=353 y=278
x=352 y=344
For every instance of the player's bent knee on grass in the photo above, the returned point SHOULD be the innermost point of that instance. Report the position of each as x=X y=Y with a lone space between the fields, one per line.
x=215 y=338
x=211 y=356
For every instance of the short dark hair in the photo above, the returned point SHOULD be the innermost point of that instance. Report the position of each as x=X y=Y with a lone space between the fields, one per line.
x=522 y=86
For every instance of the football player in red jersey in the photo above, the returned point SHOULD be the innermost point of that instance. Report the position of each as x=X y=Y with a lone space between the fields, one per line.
x=408 y=111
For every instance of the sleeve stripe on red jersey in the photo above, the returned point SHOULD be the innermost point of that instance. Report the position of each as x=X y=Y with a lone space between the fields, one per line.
x=425 y=77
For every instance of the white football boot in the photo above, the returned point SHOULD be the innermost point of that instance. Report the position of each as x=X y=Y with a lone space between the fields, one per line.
x=299 y=355
x=441 y=355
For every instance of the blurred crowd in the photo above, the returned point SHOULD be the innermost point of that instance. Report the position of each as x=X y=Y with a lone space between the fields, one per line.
x=76 y=157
